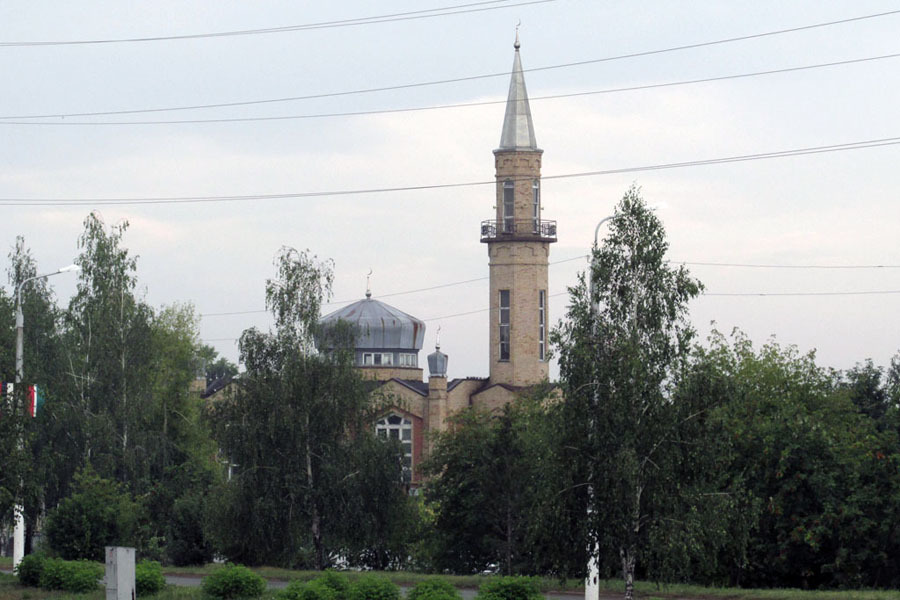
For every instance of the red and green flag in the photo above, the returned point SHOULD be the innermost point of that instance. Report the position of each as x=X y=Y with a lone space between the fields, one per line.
x=34 y=401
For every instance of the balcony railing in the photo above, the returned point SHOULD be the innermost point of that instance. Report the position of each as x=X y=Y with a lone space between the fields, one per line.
x=518 y=229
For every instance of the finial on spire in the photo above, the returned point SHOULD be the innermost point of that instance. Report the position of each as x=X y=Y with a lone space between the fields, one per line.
x=517 y=45
x=437 y=342
x=368 y=287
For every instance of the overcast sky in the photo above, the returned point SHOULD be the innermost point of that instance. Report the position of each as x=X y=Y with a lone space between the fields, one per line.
x=836 y=209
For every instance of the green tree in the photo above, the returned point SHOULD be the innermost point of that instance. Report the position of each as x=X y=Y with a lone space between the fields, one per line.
x=99 y=513
x=818 y=476
x=481 y=487
x=621 y=349
x=296 y=427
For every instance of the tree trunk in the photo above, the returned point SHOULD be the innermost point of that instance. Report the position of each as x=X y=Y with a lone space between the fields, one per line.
x=628 y=562
x=315 y=526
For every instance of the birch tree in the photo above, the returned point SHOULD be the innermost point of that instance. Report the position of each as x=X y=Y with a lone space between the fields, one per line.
x=295 y=428
x=621 y=349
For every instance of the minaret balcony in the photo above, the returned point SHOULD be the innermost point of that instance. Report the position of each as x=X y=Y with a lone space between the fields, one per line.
x=518 y=230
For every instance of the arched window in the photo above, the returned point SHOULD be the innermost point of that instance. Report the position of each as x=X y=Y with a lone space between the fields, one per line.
x=536 y=206
x=395 y=427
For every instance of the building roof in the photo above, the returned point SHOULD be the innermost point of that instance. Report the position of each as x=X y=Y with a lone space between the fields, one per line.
x=379 y=325
x=518 y=129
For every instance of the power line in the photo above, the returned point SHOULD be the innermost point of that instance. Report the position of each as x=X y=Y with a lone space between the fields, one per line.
x=723 y=294
x=586 y=256
x=452 y=80
x=449 y=106
x=386 y=18
x=858 y=145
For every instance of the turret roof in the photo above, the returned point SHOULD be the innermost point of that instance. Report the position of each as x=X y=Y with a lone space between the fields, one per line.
x=518 y=129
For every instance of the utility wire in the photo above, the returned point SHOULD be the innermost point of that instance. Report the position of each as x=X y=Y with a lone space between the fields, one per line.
x=448 y=106
x=386 y=18
x=874 y=143
x=586 y=256
x=725 y=294
x=446 y=81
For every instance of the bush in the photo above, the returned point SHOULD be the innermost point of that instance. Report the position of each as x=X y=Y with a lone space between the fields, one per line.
x=509 y=588
x=76 y=576
x=29 y=570
x=316 y=589
x=234 y=581
x=337 y=582
x=187 y=542
x=373 y=587
x=148 y=578
x=433 y=589
x=99 y=513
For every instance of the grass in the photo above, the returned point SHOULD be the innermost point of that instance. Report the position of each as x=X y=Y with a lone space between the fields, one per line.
x=11 y=590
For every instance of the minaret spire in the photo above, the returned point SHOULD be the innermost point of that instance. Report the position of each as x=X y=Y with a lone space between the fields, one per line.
x=518 y=129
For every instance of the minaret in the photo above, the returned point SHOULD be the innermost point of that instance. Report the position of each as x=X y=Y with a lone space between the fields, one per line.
x=518 y=242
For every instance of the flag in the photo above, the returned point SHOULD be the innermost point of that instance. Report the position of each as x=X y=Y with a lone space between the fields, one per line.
x=34 y=401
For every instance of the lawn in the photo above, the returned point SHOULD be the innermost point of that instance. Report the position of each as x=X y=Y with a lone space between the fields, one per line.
x=11 y=590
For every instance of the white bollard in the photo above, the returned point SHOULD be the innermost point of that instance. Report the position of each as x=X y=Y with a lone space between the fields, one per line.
x=119 y=573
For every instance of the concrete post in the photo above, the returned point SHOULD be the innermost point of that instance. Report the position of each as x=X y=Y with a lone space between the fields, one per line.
x=120 y=573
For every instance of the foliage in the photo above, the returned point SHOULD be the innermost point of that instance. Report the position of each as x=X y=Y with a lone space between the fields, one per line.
x=374 y=587
x=815 y=465
x=98 y=514
x=483 y=513
x=433 y=588
x=233 y=581
x=187 y=542
x=30 y=568
x=309 y=590
x=76 y=576
x=148 y=578
x=509 y=588
x=621 y=349
x=310 y=479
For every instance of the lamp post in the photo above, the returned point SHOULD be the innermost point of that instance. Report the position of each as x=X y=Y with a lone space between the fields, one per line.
x=592 y=583
x=18 y=510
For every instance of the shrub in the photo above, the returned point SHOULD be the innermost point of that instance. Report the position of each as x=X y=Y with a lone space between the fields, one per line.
x=433 y=588
x=373 y=587
x=337 y=582
x=29 y=570
x=99 y=513
x=148 y=578
x=187 y=542
x=317 y=589
x=234 y=581
x=76 y=576
x=509 y=588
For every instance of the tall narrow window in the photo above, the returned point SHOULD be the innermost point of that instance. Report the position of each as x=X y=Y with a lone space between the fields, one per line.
x=395 y=427
x=542 y=325
x=536 y=206
x=504 y=324
x=509 y=205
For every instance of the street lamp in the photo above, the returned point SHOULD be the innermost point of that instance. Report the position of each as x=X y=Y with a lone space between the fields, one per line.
x=592 y=584
x=18 y=510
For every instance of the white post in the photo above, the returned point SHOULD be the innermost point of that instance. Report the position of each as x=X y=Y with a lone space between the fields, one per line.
x=120 y=573
x=592 y=582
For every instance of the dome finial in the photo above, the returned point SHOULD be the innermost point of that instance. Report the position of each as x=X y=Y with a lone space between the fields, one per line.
x=517 y=45
x=368 y=287
x=437 y=342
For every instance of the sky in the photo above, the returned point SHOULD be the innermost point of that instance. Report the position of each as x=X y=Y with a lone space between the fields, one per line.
x=835 y=211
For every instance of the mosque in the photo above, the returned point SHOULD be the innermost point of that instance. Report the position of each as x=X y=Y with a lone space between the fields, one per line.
x=518 y=243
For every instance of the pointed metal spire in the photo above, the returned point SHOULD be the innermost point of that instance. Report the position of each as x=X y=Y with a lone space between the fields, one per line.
x=518 y=129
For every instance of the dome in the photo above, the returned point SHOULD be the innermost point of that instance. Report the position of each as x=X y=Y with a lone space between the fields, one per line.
x=379 y=326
